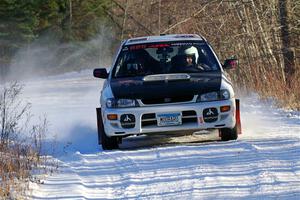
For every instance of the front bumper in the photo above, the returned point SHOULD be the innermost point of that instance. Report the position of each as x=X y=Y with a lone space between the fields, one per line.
x=191 y=113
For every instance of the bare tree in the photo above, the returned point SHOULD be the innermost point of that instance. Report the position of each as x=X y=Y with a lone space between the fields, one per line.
x=12 y=111
x=288 y=54
x=19 y=155
x=263 y=34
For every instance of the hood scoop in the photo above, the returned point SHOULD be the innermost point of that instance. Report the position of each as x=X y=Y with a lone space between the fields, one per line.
x=167 y=77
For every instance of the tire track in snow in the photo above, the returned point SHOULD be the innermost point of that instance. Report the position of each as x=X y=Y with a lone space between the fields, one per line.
x=263 y=164
x=126 y=168
x=221 y=170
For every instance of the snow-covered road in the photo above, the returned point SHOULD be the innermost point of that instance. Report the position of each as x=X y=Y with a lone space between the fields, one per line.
x=264 y=163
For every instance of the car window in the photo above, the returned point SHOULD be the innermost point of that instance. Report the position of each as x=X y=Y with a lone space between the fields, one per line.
x=163 y=58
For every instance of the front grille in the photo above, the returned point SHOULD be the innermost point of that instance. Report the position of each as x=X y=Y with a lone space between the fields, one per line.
x=148 y=116
x=168 y=100
x=188 y=116
x=188 y=113
x=149 y=119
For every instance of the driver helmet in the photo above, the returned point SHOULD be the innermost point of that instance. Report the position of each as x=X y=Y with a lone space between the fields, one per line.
x=191 y=51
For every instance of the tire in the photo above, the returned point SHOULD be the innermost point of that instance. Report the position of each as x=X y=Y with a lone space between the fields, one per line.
x=108 y=143
x=232 y=133
x=229 y=133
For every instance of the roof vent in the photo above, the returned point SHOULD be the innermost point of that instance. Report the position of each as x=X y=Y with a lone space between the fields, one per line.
x=138 y=39
x=187 y=36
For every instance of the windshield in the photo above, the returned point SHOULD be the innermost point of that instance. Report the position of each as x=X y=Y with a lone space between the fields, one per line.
x=165 y=58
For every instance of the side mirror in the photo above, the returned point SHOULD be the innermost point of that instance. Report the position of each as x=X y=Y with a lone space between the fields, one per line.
x=100 y=73
x=231 y=63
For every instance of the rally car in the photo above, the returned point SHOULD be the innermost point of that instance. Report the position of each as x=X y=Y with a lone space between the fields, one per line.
x=166 y=84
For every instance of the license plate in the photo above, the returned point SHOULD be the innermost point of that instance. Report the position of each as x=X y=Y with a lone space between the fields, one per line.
x=168 y=119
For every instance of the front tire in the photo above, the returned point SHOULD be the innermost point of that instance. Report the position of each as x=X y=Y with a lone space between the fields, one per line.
x=229 y=133
x=232 y=133
x=108 y=143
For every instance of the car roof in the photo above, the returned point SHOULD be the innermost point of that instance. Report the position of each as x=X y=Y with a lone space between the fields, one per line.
x=164 y=38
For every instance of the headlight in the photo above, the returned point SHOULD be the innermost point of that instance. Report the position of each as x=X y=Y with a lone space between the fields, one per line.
x=214 y=96
x=121 y=103
x=224 y=95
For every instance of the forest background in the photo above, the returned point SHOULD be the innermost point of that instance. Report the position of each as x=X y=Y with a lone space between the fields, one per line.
x=263 y=34
x=46 y=37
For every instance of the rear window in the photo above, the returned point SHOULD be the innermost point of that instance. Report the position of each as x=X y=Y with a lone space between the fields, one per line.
x=165 y=58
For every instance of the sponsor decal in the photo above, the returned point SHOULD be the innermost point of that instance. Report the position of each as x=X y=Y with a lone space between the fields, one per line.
x=210 y=115
x=127 y=121
x=136 y=47
x=209 y=112
x=158 y=45
x=201 y=120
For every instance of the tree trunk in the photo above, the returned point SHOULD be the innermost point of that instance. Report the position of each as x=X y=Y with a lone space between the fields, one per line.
x=288 y=54
x=124 y=20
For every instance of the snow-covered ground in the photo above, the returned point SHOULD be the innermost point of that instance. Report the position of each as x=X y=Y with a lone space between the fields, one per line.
x=264 y=163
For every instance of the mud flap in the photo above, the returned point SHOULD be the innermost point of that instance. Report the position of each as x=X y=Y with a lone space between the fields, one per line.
x=238 y=117
x=99 y=124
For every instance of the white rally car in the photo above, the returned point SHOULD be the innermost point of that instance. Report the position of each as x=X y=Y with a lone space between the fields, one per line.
x=167 y=83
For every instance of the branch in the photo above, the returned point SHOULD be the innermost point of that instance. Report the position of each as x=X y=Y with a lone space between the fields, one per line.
x=133 y=19
x=189 y=18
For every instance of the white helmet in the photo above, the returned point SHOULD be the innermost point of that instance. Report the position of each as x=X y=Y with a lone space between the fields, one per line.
x=192 y=51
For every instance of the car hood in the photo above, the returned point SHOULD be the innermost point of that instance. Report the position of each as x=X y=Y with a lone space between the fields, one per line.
x=165 y=85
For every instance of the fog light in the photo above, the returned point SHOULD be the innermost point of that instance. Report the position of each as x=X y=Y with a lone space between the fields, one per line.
x=224 y=108
x=127 y=120
x=210 y=115
x=112 y=116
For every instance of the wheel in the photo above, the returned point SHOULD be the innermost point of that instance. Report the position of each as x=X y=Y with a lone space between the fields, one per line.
x=229 y=133
x=108 y=143
x=232 y=133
